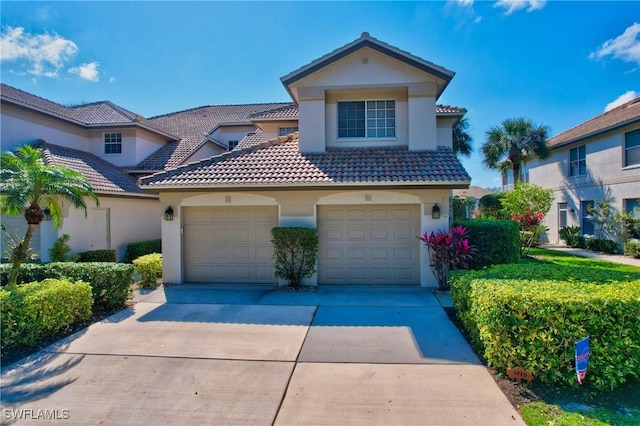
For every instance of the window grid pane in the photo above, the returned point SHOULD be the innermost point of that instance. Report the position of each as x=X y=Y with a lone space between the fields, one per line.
x=113 y=143
x=371 y=119
x=578 y=161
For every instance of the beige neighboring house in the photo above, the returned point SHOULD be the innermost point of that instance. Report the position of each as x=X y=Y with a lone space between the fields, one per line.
x=475 y=192
x=594 y=161
x=113 y=147
x=369 y=163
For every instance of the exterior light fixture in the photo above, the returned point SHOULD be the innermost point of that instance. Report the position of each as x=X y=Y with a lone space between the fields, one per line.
x=435 y=211
x=47 y=214
x=168 y=213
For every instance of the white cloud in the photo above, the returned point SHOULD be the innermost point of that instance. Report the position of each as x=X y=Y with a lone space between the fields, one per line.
x=622 y=99
x=87 y=71
x=466 y=3
x=626 y=46
x=112 y=80
x=42 y=54
x=515 y=5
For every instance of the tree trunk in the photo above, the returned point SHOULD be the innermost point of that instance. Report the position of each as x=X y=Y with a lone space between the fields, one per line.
x=516 y=173
x=22 y=253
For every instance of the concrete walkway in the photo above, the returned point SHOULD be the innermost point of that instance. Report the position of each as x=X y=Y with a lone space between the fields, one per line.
x=204 y=354
x=615 y=258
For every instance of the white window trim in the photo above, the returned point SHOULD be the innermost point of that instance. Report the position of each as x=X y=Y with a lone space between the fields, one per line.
x=578 y=161
x=625 y=149
x=365 y=138
x=104 y=144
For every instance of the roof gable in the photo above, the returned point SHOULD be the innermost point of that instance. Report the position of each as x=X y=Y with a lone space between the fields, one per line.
x=366 y=41
x=620 y=116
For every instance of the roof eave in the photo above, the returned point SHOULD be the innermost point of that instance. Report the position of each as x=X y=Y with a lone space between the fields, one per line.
x=595 y=133
x=453 y=184
x=31 y=107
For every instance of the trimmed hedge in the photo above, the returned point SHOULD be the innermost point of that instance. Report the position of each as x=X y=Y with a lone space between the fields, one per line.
x=35 y=311
x=535 y=323
x=632 y=248
x=150 y=269
x=496 y=241
x=602 y=245
x=141 y=248
x=110 y=282
x=98 y=256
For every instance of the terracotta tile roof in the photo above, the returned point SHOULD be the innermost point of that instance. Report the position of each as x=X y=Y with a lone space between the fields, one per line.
x=252 y=139
x=476 y=192
x=619 y=116
x=450 y=110
x=278 y=162
x=105 y=112
x=104 y=176
x=192 y=127
x=288 y=112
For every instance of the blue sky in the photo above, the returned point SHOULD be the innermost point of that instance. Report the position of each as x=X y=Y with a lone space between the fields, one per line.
x=558 y=63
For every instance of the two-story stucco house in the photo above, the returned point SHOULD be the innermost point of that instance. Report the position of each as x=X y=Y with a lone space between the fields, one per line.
x=594 y=161
x=370 y=164
x=113 y=147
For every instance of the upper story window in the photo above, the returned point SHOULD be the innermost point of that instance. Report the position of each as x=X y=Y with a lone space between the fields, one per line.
x=367 y=119
x=578 y=161
x=232 y=145
x=632 y=148
x=113 y=143
x=286 y=130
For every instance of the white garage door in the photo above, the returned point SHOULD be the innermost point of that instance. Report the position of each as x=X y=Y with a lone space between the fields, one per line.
x=229 y=244
x=369 y=244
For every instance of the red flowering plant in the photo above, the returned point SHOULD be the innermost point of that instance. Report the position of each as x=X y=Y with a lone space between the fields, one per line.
x=530 y=228
x=447 y=250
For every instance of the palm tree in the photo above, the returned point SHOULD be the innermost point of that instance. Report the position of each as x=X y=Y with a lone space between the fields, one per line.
x=26 y=180
x=462 y=140
x=514 y=144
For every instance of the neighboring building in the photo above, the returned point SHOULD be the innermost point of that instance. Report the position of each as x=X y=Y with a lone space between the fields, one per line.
x=475 y=192
x=113 y=147
x=596 y=160
x=371 y=166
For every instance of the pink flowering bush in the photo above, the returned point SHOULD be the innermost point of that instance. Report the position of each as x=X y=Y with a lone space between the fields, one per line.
x=530 y=228
x=447 y=250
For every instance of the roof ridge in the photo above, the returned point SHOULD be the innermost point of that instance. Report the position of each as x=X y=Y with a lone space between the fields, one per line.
x=70 y=110
x=217 y=106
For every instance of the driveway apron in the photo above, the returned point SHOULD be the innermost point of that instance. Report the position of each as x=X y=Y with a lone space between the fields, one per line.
x=205 y=354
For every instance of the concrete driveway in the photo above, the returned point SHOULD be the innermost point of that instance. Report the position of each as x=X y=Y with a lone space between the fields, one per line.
x=202 y=354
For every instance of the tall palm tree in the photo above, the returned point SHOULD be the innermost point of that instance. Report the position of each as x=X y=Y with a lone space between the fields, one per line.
x=462 y=140
x=515 y=143
x=28 y=184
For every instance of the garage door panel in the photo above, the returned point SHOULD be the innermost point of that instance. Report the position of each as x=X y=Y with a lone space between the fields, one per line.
x=229 y=244
x=369 y=244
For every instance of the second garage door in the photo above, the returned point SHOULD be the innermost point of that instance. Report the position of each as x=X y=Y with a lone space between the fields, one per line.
x=229 y=244
x=369 y=244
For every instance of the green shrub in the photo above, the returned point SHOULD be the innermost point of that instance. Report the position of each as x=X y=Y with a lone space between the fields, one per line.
x=490 y=206
x=571 y=236
x=295 y=251
x=39 y=310
x=140 y=248
x=110 y=282
x=149 y=267
x=632 y=248
x=534 y=324
x=602 y=245
x=60 y=249
x=98 y=256
x=495 y=241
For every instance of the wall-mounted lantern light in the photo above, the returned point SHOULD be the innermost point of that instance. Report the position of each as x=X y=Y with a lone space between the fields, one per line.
x=47 y=214
x=435 y=212
x=168 y=213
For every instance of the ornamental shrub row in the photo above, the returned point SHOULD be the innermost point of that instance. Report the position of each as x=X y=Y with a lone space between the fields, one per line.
x=110 y=282
x=495 y=241
x=632 y=248
x=98 y=256
x=31 y=312
x=141 y=248
x=535 y=323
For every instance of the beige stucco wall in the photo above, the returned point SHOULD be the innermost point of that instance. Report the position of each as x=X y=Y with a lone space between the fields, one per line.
x=297 y=208
x=271 y=129
x=606 y=177
x=366 y=75
x=19 y=126
x=130 y=219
